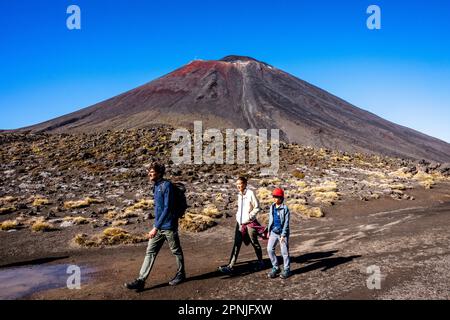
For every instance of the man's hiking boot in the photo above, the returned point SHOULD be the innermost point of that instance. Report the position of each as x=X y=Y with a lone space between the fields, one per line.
x=226 y=270
x=178 y=279
x=285 y=274
x=260 y=265
x=274 y=273
x=137 y=285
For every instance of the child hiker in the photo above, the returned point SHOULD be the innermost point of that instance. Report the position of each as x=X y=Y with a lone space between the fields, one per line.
x=279 y=232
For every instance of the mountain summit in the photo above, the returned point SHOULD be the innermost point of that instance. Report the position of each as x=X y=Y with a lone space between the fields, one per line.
x=242 y=92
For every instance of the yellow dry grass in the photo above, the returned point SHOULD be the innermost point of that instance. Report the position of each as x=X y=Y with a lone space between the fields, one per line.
x=375 y=174
x=426 y=180
x=128 y=214
x=397 y=186
x=42 y=226
x=401 y=173
x=81 y=203
x=298 y=174
x=269 y=181
x=9 y=225
x=264 y=196
x=40 y=201
x=312 y=212
x=118 y=223
x=325 y=193
x=326 y=197
x=340 y=158
x=346 y=158
x=77 y=220
x=300 y=184
x=394 y=186
x=327 y=186
x=143 y=204
x=109 y=237
x=7 y=199
x=291 y=201
x=111 y=215
x=211 y=211
x=196 y=222
x=7 y=209
x=298 y=206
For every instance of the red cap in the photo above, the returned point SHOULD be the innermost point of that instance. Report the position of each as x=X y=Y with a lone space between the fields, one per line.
x=278 y=192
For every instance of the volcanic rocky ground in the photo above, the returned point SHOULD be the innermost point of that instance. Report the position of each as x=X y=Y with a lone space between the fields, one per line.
x=74 y=193
x=102 y=178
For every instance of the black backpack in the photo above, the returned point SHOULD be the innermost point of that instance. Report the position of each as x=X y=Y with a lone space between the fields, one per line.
x=179 y=199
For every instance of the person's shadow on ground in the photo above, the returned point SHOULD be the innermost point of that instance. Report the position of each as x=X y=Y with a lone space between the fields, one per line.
x=33 y=262
x=320 y=260
x=315 y=260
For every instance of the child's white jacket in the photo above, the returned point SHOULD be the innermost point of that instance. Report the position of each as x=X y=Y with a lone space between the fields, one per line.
x=248 y=207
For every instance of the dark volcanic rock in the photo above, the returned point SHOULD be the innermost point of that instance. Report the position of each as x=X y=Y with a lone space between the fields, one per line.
x=445 y=169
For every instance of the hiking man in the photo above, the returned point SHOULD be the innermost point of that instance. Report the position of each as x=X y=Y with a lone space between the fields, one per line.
x=248 y=208
x=165 y=228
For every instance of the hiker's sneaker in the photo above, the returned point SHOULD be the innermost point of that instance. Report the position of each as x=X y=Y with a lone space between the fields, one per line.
x=178 y=279
x=137 y=285
x=226 y=270
x=285 y=274
x=259 y=266
x=274 y=273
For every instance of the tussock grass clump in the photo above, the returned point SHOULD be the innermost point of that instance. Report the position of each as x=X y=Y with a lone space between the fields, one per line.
x=302 y=185
x=267 y=181
x=298 y=206
x=7 y=209
x=346 y=158
x=211 y=211
x=264 y=196
x=312 y=212
x=120 y=223
x=425 y=180
x=77 y=220
x=9 y=225
x=40 y=201
x=81 y=203
x=291 y=201
x=397 y=186
x=112 y=232
x=325 y=193
x=219 y=197
x=135 y=209
x=109 y=237
x=298 y=174
x=127 y=214
x=42 y=226
x=143 y=204
x=196 y=222
x=376 y=175
x=327 y=186
x=375 y=196
x=110 y=215
x=401 y=173
x=7 y=199
x=326 y=197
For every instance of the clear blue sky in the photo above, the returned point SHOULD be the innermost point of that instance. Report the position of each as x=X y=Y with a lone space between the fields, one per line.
x=401 y=72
